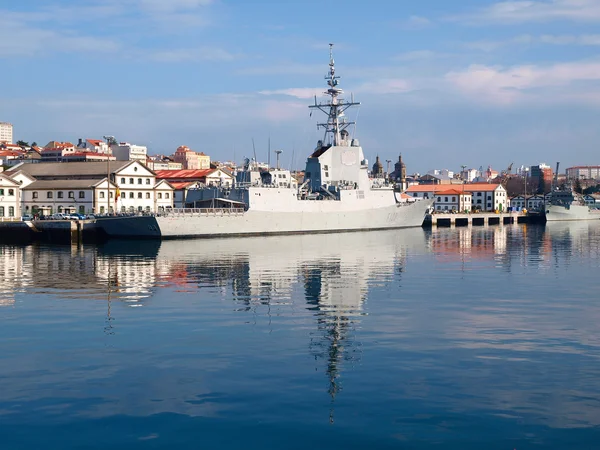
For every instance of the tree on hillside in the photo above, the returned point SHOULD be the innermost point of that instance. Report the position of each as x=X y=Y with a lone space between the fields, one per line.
x=577 y=186
x=22 y=144
x=34 y=144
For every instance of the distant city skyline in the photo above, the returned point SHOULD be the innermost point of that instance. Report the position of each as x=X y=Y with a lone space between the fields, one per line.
x=472 y=82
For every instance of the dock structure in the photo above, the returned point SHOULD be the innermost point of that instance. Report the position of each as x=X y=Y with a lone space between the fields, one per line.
x=475 y=219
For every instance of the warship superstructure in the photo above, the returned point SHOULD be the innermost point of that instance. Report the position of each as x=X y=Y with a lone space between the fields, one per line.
x=336 y=195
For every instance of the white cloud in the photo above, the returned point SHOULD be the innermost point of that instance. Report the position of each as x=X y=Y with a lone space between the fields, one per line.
x=522 y=11
x=416 y=23
x=546 y=39
x=192 y=55
x=22 y=41
x=172 y=5
x=506 y=86
x=301 y=93
x=415 y=55
x=385 y=86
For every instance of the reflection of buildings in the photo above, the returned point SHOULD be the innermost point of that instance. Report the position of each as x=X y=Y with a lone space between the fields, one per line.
x=14 y=273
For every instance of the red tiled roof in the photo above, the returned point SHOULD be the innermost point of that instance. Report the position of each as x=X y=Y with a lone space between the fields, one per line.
x=469 y=187
x=94 y=141
x=181 y=184
x=184 y=173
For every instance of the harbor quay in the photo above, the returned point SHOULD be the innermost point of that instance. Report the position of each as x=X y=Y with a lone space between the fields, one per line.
x=57 y=231
x=479 y=219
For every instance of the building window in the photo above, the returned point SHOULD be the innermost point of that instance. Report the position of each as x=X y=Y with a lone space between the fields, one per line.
x=49 y=195
x=131 y=195
x=147 y=180
x=81 y=194
x=489 y=205
x=71 y=194
x=81 y=209
x=140 y=209
x=123 y=209
x=166 y=195
x=11 y=192
x=139 y=180
x=439 y=199
x=1 y=191
x=453 y=199
x=102 y=210
x=445 y=199
x=122 y=180
x=101 y=194
x=147 y=194
x=159 y=195
x=59 y=194
x=1 y=211
x=147 y=209
x=139 y=195
x=131 y=181
x=34 y=195
x=111 y=194
x=479 y=194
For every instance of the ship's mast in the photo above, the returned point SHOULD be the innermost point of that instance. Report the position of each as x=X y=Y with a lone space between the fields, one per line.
x=335 y=107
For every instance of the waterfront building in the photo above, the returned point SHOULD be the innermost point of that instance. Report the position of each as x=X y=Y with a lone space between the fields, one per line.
x=205 y=177
x=488 y=196
x=190 y=160
x=10 y=193
x=484 y=196
x=183 y=181
x=583 y=172
x=124 y=151
x=83 y=187
x=6 y=132
x=452 y=200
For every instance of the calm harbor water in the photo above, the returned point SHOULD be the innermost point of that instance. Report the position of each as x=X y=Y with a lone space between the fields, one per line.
x=466 y=338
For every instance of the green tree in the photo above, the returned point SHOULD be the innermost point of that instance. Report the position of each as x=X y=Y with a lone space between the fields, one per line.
x=22 y=144
x=577 y=187
x=34 y=144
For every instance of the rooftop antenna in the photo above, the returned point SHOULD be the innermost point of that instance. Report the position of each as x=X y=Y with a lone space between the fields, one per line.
x=254 y=149
x=278 y=152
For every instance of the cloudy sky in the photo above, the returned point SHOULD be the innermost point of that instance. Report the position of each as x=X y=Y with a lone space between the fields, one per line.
x=446 y=83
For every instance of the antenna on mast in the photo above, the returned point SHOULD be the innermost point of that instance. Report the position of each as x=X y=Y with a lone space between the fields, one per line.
x=335 y=107
x=254 y=150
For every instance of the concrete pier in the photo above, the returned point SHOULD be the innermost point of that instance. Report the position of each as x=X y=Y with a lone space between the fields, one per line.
x=475 y=219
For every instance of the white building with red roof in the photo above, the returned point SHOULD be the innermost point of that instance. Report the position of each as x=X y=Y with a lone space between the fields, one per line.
x=484 y=196
x=94 y=146
x=10 y=198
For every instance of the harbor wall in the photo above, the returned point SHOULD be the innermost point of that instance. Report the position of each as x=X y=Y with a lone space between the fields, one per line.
x=56 y=231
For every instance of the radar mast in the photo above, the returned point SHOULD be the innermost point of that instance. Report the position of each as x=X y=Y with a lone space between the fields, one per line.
x=334 y=108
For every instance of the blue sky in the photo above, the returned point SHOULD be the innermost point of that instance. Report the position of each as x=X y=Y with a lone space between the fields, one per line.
x=472 y=82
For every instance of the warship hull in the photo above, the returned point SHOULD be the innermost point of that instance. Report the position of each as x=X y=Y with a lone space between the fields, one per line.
x=223 y=222
x=556 y=213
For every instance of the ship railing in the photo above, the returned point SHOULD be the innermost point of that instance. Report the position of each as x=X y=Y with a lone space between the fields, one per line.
x=174 y=212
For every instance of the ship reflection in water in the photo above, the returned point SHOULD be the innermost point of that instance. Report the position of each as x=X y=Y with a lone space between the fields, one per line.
x=462 y=336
